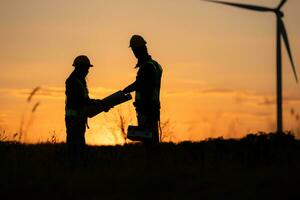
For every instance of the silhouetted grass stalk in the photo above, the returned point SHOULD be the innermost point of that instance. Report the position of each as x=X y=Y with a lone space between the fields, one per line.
x=22 y=131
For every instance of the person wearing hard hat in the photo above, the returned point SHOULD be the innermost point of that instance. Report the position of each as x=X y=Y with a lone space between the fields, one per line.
x=147 y=89
x=78 y=106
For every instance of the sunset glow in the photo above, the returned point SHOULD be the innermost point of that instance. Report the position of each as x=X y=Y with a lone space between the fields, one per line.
x=219 y=65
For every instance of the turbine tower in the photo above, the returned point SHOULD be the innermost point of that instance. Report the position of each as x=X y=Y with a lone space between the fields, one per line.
x=280 y=32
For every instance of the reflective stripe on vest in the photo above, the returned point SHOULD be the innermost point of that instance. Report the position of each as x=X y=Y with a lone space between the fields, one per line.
x=75 y=113
x=155 y=94
x=72 y=113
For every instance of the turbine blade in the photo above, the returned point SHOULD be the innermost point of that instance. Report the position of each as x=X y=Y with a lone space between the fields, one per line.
x=287 y=45
x=281 y=4
x=244 y=6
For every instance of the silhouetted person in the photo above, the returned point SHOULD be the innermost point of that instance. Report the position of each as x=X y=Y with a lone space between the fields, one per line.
x=78 y=105
x=147 y=89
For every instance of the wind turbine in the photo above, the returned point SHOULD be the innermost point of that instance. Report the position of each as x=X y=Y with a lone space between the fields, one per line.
x=281 y=32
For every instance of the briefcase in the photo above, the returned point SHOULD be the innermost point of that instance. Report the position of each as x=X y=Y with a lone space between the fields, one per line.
x=136 y=133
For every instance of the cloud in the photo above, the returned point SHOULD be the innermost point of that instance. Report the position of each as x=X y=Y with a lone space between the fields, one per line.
x=101 y=91
x=270 y=101
x=200 y=91
x=238 y=97
x=294 y=98
x=177 y=93
x=192 y=82
x=218 y=91
x=261 y=114
x=50 y=92
x=43 y=92
x=266 y=101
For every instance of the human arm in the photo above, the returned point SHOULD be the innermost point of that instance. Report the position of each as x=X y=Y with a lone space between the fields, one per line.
x=130 y=88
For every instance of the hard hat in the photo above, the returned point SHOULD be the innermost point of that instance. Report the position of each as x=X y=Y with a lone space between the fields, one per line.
x=82 y=60
x=137 y=41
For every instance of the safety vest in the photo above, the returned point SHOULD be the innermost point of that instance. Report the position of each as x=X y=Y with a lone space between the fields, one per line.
x=156 y=90
x=78 y=113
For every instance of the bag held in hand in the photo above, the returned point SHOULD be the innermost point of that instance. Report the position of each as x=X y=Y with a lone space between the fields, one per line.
x=136 y=133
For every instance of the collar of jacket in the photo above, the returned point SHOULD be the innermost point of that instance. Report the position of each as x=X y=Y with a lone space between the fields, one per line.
x=142 y=61
x=78 y=76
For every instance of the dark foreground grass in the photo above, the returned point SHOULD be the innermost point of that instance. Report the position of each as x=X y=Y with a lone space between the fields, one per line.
x=264 y=166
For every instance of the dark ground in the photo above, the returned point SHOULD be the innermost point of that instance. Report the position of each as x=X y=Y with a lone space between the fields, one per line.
x=262 y=166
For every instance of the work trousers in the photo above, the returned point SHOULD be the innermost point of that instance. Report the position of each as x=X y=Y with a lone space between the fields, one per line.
x=75 y=140
x=150 y=121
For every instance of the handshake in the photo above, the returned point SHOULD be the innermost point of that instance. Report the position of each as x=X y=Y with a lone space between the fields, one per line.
x=98 y=106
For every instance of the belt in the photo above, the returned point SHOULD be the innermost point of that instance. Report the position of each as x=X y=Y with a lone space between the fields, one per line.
x=75 y=113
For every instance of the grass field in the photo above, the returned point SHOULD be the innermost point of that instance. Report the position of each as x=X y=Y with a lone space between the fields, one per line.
x=261 y=166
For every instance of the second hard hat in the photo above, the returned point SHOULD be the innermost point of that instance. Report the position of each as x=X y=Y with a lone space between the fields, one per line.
x=82 y=60
x=137 y=41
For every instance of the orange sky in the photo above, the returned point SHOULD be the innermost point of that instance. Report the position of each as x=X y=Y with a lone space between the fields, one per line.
x=219 y=64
